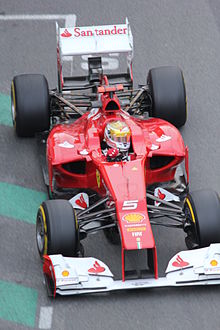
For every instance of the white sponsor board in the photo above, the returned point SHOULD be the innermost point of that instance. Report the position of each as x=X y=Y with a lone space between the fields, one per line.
x=101 y=39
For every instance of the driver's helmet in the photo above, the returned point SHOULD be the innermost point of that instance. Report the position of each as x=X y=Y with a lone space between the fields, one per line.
x=117 y=135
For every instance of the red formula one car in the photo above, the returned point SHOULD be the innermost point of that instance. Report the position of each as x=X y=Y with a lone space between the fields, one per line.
x=115 y=161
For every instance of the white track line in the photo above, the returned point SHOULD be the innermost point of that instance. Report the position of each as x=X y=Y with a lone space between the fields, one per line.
x=45 y=319
x=68 y=17
x=70 y=21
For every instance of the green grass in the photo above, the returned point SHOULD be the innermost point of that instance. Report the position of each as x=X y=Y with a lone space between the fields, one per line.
x=20 y=203
x=5 y=110
x=18 y=303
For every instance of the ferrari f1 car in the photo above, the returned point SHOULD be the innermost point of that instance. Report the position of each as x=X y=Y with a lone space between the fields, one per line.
x=114 y=160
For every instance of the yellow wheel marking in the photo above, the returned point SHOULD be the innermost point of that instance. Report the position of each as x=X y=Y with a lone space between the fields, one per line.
x=14 y=102
x=45 y=229
x=76 y=221
x=191 y=210
x=13 y=92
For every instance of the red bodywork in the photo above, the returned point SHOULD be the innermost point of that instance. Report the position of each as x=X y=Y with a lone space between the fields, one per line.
x=49 y=272
x=126 y=181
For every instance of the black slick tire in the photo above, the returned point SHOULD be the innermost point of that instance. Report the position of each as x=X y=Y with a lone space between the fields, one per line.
x=30 y=104
x=202 y=208
x=168 y=94
x=57 y=229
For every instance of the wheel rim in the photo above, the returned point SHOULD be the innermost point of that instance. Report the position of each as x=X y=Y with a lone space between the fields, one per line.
x=192 y=234
x=13 y=111
x=40 y=234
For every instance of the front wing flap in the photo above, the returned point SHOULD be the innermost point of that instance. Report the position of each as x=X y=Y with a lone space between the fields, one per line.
x=69 y=276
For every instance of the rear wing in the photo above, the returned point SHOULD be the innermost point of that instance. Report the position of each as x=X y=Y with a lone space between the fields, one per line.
x=93 y=40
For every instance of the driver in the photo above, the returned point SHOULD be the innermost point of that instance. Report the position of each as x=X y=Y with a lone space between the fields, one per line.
x=117 y=136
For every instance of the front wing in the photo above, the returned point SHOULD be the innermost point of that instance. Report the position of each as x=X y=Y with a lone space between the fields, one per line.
x=70 y=276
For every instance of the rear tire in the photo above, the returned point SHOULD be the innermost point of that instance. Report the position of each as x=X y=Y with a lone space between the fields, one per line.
x=57 y=229
x=168 y=93
x=202 y=210
x=30 y=104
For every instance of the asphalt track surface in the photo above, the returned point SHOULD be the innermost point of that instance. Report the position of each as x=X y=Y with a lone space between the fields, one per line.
x=166 y=32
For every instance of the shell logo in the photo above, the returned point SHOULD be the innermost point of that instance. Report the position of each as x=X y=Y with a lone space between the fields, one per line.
x=133 y=217
x=65 y=273
x=214 y=263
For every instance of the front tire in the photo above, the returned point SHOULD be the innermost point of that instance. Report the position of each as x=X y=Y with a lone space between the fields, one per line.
x=202 y=210
x=57 y=229
x=30 y=104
